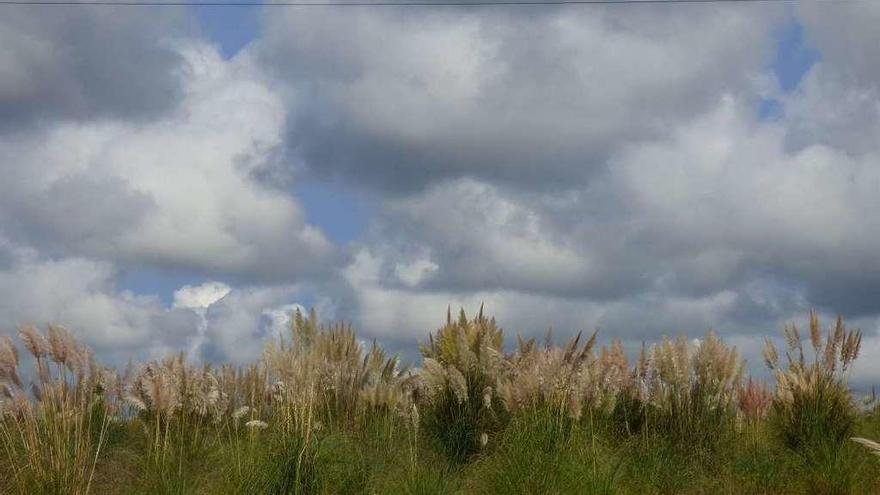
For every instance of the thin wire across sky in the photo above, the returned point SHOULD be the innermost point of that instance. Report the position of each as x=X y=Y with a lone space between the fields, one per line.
x=377 y=3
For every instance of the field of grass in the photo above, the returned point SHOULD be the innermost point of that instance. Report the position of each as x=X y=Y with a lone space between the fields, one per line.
x=321 y=414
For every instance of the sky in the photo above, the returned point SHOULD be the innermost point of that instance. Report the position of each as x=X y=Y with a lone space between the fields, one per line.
x=184 y=178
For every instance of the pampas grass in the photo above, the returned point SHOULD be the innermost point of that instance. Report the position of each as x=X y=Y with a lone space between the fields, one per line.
x=813 y=407
x=871 y=445
x=463 y=368
x=322 y=412
x=690 y=387
x=53 y=433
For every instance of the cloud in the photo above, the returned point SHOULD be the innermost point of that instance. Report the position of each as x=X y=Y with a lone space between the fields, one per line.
x=532 y=98
x=795 y=215
x=97 y=189
x=81 y=294
x=571 y=168
x=81 y=62
x=470 y=235
x=838 y=103
x=215 y=322
x=719 y=226
x=401 y=317
x=845 y=37
x=239 y=325
x=614 y=168
x=200 y=296
x=180 y=192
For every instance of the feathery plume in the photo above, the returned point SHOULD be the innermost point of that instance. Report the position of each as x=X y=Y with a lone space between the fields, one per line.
x=9 y=360
x=815 y=333
x=240 y=412
x=34 y=341
x=256 y=424
x=873 y=446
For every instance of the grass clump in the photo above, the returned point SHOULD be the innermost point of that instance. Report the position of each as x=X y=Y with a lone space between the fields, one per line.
x=813 y=409
x=813 y=412
x=463 y=364
x=541 y=453
x=175 y=405
x=690 y=389
x=53 y=439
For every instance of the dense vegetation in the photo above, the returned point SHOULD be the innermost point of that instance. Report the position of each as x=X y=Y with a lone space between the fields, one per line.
x=321 y=414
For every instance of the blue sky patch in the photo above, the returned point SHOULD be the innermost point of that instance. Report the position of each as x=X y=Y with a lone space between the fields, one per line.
x=341 y=212
x=794 y=57
x=231 y=28
x=161 y=283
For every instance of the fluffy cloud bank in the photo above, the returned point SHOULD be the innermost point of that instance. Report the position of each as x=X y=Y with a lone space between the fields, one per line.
x=712 y=218
x=82 y=293
x=182 y=190
x=532 y=97
x=580 y=168
x=103 y=180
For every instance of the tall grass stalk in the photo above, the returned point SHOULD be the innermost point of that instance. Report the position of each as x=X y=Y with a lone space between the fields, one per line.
x=53 y=435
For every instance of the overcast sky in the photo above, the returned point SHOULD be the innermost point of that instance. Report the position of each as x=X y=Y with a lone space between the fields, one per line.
x=184 y=178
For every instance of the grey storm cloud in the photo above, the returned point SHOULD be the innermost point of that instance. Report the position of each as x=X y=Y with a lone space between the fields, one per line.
x=717 y=226
x=82 y=62
x=64 y=216
x=397 y=100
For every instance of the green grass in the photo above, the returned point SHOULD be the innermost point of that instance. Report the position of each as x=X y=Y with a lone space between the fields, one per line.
x=542 y=452
x=536 y=453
